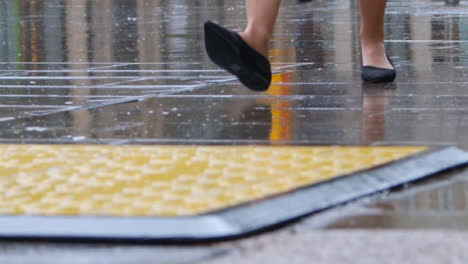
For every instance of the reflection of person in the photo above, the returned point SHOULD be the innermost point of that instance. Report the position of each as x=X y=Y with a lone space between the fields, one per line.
x=245 y=54
x=373 y=118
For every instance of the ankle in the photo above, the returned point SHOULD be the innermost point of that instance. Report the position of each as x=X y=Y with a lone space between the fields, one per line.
x=374 y=54
x=372 y=47
x=257 y=40
x=371 y=41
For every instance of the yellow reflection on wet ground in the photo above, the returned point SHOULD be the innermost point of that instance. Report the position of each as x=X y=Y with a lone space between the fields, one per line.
x=281 y=109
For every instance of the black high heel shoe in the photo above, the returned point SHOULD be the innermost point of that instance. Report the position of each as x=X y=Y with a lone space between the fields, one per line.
x=378 y=75
x=230 y=52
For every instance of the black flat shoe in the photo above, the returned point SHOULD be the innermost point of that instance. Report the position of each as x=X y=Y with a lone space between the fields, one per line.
x=378 y=75
x=230 y=52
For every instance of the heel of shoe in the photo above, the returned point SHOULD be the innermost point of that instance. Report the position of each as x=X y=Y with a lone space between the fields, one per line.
x=373 y=74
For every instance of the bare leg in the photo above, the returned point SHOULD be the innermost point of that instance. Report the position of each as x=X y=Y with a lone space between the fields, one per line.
x=372 y=33
x=261 y=15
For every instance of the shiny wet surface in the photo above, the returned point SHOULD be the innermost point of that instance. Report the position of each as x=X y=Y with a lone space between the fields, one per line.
x=135 y=72
x=438 y=204
x=119 y=72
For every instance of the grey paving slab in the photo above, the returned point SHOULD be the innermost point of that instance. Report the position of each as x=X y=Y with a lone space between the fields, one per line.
x=439 y=204
x=19 y=253
x=120 y=72
x=353 y=246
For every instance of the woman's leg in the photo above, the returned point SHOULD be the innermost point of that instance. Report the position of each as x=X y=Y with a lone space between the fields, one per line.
x=372 y=33
x=261 y=16
x=245 y=54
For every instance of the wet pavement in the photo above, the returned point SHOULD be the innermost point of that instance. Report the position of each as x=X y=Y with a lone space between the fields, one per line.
x=135 y=72
x=437 y=204
x=119 y=72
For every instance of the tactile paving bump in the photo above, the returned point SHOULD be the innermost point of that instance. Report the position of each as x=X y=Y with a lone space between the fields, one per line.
x=166 y=180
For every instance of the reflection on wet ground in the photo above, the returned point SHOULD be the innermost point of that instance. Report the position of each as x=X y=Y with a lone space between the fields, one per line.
x=136 y=72
x=441 y=204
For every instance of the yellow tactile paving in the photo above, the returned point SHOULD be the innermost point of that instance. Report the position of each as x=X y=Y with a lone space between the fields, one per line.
x=166 y=180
